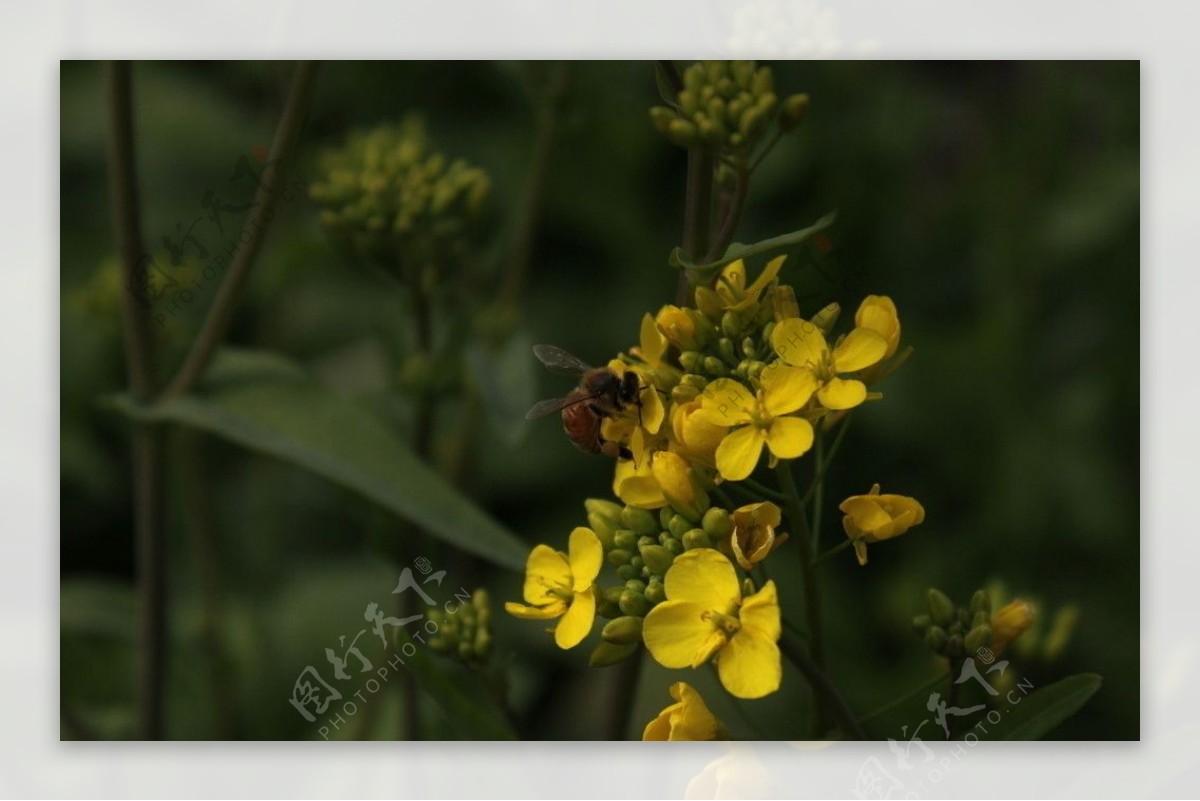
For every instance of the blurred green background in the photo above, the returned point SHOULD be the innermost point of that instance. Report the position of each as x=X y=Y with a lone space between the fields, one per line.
x=996 y=202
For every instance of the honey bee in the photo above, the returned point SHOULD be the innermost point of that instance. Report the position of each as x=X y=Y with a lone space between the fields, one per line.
x=601 y=393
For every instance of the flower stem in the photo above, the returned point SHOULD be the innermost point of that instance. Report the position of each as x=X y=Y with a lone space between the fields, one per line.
x=819 y=478
x=697 y=214
x=822 y=687
x=763 y=489
x=147 y=439
x=624 y=693
x=220 y=314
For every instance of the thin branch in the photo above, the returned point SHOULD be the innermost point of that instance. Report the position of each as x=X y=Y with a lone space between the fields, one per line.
x=822 y=686
x=220 y=315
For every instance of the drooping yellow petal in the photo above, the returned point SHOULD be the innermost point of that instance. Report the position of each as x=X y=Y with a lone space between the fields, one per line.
x=705 y=577
x=864 y=517
x=739 y=452
x=786 y=389
x=577 y=622
x=652 y=412
x=548 y=612
x=750 y=665
x=546 y=570
x=799 y=343
x=842 y=393
x=726 y=402
x=760 y=613
x=878 y=313
x=677 y=635
x=698 y=435
x=651 y=341
x=586 y=556
x=789 y=437
x=861 y=348
x=634 y=484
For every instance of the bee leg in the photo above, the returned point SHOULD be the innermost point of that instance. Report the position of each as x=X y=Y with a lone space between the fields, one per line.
x=615 y=450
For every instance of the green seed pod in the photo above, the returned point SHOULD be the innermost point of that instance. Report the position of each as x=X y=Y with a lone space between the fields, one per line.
x=606 y=654
x=657 y=558
x=625 y=540
x=977 y=638
x=634 y=603
x=792 y=112
x=639 y=521
x=622 y=631
x=619 y=556
x=717 y=524
x=680 y=526
x=941 y=608
x=935 y=638
x=921 y=623
x=981 y=601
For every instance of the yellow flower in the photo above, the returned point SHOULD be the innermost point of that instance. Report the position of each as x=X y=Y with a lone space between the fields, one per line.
x=731 y=291
x=652 y=351
x=635 y=484
x=878 y=313
x=561 y=585
x=874 y=518
x=678 y=327
x=687 y=719
x=694 y=435
x=1010 y=623
x=706 y=618
x=759 y=420
x=677 y=484
x=754 y=533
x=801 y=344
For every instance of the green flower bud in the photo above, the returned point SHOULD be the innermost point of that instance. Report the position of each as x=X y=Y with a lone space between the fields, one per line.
x=609 y=605
x=981 y=601
x=627 y=572
x=691 y=361
x=606 y=654
x=935 y=638
x=680 y=526
x=683 y=393
x=742 y=73
x=657 y=558
x=656 y=593
x=674 y=546
x=941 y=608
x=639 y=520
x=1060 y=632
x=964 y=618
x=692 y=380
x=646 y=539
x=921 y=623
x=689 y=102
x=634 y=603
x=464 y=651
x=754 y=369
x=439 y=645
x=749 y=348
x=625 y=540
x=637 y=563
x=763 y=81
x=954 y=646
x=604 y=518
x=706 y=332
x=619 y=556
x=792 y=112
x=717 y=524
x=622 y=631
x=980 y=618
x=977 y=638
x=683 y=133
x=696 y=538
x=665 y=516
x=661 y=116
x=637 y=585
x=715 y=367
x=733 y=324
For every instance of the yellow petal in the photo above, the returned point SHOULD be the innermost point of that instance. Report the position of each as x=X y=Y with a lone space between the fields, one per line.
x=586 y=556
x=750 y=665
x=766 y=276
x=688 y=719
x=653 y=343
x=861 y=348
x=864 y=517
x=659 y=729
x=878 y=313
x=789 y=437
x=738 y=453
x=704 y=577
x=786 y=389
x=634 y=484
x=577 y=622
x=671 y=473
x=760 y=613
x=733 y=276
x=545 y=570
x=548 y=612
x=652 y=412
x=799 y=343
x=726 y=402
x=842 y=393
x=677 y=635
x=697 y=434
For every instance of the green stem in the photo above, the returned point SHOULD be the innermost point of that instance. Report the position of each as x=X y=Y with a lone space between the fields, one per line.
x=762 y=154
x=823 y=688
x=697 y=213
x=819 y=500
x=890 y=705
x=841 y=546
x=764 y=490
x=733 y=216
x=624 y=695
x=812 y=596
x=220 y=315
x=833 y=449
x=147 y=440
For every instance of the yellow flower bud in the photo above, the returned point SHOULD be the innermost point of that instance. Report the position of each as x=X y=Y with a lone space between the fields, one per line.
x=783 y=303
x=687 y=719
x=677 y=485
x=678 y=327
x=874 y=517
x=826 y=317
x=1011 y=622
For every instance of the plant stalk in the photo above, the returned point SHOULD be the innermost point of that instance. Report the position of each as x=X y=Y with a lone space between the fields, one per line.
x=822 y=687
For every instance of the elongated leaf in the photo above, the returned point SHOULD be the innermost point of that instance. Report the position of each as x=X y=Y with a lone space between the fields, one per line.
x=739 y=251
x=1037 y=714
x=271 y=405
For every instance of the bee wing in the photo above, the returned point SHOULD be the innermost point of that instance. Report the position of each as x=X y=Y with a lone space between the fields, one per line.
x=547 y=407
x=559 y=361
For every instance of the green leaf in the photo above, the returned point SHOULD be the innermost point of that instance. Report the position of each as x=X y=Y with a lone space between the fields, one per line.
x=462 y=695
x=505 y=379
x=1037 y=714
x=739 y=251
x=271 y=405
x=665 y=90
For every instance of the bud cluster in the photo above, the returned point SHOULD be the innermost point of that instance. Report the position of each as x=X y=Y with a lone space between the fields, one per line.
x=726 y=107
x=466 y=631
x=955 y=632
